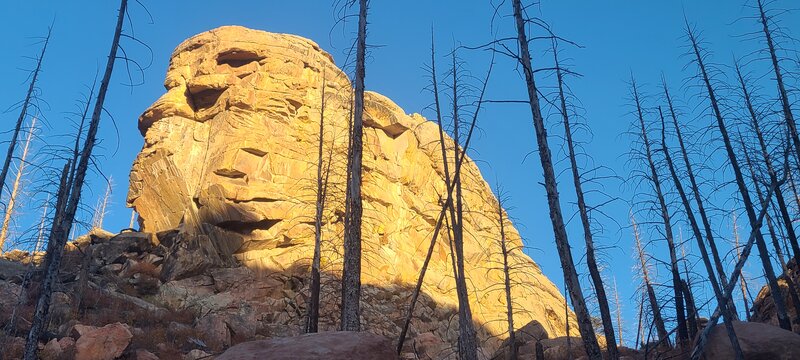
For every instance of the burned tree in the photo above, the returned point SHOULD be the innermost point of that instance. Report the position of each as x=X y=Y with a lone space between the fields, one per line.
x=658 y=320
x=551 y=187
x=744 y=193
x=726 y=312
x=591 y=261
x=351 y=271
x=26 y=104
x=683 y=334
x=512 y=339
x=312 y=312
x=69 y=195
x=12 y=200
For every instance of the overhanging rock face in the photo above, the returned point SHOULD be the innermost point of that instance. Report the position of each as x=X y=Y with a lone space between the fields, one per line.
x=231 y=152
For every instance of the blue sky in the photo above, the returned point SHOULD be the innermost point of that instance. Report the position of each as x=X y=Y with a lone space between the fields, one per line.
x=619 y=38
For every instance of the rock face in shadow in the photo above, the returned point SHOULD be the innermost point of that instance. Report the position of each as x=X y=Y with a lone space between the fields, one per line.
x=228 y=171
x=758 y=342
x=335 y=345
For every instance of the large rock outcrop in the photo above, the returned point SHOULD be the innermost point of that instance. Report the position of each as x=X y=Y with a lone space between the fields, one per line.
x=228 y=171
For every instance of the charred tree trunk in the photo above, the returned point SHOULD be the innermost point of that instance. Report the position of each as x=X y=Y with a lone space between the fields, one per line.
x=40 y=315
x=12 y=145
x=702 y=339
x=743 y=282
x=467 y=340
x=727 y=317
x=351 y=272
x=683 y=335
x=754 y=120
x=786 y=106
x=448 y=204
x=71 y=193
x=695 y=189
x=591 y=261
x=658 y=321
x=512 y=339
x=551 y=187
x=312 y=315
x=769 y=272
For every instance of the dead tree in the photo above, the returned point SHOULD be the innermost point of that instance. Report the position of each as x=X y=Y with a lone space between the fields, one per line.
x=743 y=282
x=786 y=106
x=512 y=339
x=728 y=318
x=683 y=334
x=467 y=339
x=771 y=230
x=767 y=159
x=312 y=312
x=29 y=96
x=551 y=187
x=591 y=261
x=769 y=272
x=70 y=188
x=619 y=313
x=695 y=190
x=351 y=271
x=12 y=200
x=702 y=339
x=448 y=204
x=102 y=206
x=658 y=320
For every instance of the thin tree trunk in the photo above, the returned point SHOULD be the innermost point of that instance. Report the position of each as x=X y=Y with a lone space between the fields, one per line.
x=639 y=324
x=695 y=189
x=691 y=309
x=658 y=321
x=784 y=210
x=512 y=339
x=12 y=200
x=23 y=113
x=619 y=313
x=702 y=339
x=351 y=272
x=743 y=282
x=728 y=318
x=559 y=231
x=448 y=204
x=69 y=197
x=591 y=261
x=786 y=106
x=39 y=321
x=100 y=212
x=683 y=334
x=467 y=340
x=792 y=289
x=769 y=272
x=312 y=316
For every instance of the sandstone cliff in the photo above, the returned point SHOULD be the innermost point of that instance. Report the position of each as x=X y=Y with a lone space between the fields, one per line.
x=230 y=161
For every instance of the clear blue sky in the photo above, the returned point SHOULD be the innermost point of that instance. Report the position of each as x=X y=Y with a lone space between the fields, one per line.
x=620 y=37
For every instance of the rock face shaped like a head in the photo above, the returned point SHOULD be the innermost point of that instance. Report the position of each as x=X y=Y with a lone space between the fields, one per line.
x=231 y=151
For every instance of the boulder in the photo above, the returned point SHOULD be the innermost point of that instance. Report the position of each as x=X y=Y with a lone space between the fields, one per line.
x=429 y=346
x=335 y=345
x=214 y=332
x=758 y=341
x=104 y=343
x=196 y=354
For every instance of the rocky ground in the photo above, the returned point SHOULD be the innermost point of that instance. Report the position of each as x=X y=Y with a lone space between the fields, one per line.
x=119 y=307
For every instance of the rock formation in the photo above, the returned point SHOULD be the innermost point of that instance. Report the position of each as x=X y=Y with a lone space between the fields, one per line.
x=227 y=176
